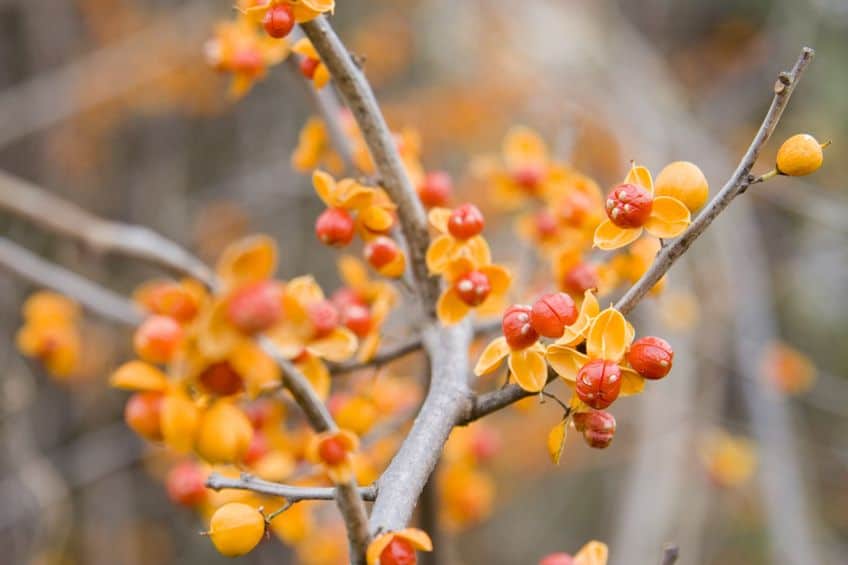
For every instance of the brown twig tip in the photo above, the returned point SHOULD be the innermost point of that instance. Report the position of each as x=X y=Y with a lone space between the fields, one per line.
x=670 y=554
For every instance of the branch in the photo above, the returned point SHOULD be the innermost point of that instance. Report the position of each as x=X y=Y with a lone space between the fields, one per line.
x=360 y=99
x=55 y=214
x=490 y=402
x=26 y=264
x=215 y=481
x=736 y=185
x=385 y=356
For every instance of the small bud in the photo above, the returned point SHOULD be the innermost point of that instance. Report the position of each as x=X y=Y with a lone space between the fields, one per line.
x=334 y=227
x=381 y=251
x=629 y=206
x=142 y=413
x=278 y=21
x=398 y=552
x=799 y=155
x=256 y=307
x=436 y=189
x=473 y=288
x=685 y=181
x=580 y=278
x=598 y=428
x=651 y=357
x=598 y=383
x=157 y=339
x=185 y=484
x=551 y=313
x=517 y=330
x=324 y=318
x=236 y=528
x=466 y=221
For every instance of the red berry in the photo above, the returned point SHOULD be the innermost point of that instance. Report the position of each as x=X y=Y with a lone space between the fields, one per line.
x=248 y=61
x=580 y=278
x=485 y=444
x=436 y=189
x=257 y=449
x=324 y=317
x=221 y=379
x=357 y=319
x=157 y=339
x=345 y=297
x=308 y=66
x=629 y=206
x=651 y=357
x=598 y=428
x=551 y=313
x=598 y=383
x=398 y=552
x=517 y=330
x=256 y=307
x=574 y=208
x=278 y=21
x=546 y=224
x=557 y=559
x=381 y=251
x=473 y=288
x=332 y=451
x=185 y=484
x=334 y=227
x=466 y=221
x=142 y=414
x=528 y=177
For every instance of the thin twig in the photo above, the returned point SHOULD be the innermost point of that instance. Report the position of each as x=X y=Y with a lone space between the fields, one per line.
x=26 y=264
x=490 y=402
x=291 y=493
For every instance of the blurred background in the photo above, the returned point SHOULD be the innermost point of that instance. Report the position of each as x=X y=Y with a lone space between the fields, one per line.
x=740 y=457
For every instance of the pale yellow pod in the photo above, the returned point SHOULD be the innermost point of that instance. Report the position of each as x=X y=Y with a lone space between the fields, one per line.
x=684 y=181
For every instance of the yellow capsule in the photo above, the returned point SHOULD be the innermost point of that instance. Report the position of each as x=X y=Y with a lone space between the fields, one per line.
x=799 y=155
x=685 y=181
x=236 y=528
x=224 y=434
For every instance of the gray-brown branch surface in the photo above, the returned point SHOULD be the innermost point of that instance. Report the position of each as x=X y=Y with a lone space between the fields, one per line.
x=291 y=493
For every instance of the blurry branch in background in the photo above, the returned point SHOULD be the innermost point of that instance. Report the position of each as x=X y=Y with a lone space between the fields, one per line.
x=290 y=493
x=39 y=206
x=27 y=265
x=670 y=554
x=740 y=180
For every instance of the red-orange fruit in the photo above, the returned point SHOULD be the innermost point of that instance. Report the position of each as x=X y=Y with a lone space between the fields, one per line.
x=436 y=189
x=398 y=552
x=528 y=177
x=580 y=278
x=551 y=313
x=357 y=318
x=278 y=21
x=256 y=307
x=557 y=559
x=629 y=206
x=473 y=288
x=651 y=357
x=334 y=227
x=517 y=330
x=466 y=221
x=185 y=484
x=598 y=383
x=308 y=66
x=332 y=451
x=598 y=428
x=381 y=251
x=142 y=414
x=157 y=339
x=221 y=378
x=257 y=449
x=324 y=318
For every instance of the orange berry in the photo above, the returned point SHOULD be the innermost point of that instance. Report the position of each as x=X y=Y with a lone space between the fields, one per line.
x=308 y=66
x=332 y=451
x=157 y=339
x=598 y=428
x=186 y=484
x=629 y=206
x=278 y=21
x=685 y=181
x=236 y=528
x=799 y=155
x=334 y=227
x=528 y=177
x=221 y=379
x=256 y=307
x=557 y=559
x=142 y=414
x=436 y=189
x=324 y=318
x=398 y=552
x=466 y=221
x=171 y=299
x=651 y=357
x=517 y=330
x=381 y=251
x=599 y=383
x=473 y=288
x=579 y=279
x=357 y=318
x=551 y=313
